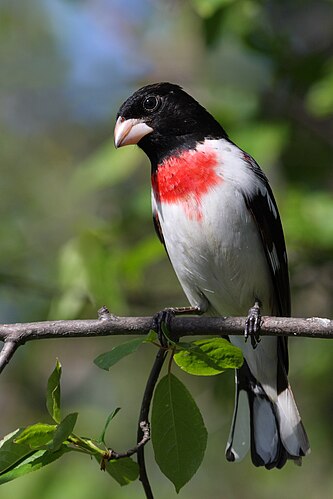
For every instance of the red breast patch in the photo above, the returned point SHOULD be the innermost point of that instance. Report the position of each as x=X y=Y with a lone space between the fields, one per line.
x=185 y=179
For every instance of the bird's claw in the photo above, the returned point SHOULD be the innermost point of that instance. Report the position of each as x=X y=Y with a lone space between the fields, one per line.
x=163 y=317
x=252 y=325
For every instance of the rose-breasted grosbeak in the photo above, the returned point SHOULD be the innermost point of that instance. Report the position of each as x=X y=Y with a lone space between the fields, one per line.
x=215 y=213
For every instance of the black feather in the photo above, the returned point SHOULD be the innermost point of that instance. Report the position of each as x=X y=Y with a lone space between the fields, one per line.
x=265 y=213
x=263 y=208
x=158 y=229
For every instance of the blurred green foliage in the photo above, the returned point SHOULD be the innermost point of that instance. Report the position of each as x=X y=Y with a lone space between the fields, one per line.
x=76 y=229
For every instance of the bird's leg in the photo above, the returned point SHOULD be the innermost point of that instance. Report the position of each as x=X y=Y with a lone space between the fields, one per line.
x=252 y=324
x=165 y=316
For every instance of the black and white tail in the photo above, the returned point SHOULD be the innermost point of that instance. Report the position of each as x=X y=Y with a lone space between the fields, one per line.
x=272 y=429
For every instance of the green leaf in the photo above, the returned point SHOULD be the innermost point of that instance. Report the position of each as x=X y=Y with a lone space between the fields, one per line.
x=37 y=435
x=208 y=357
x=101 y=439
x=11 y=453
x=166 y=333
x=53 y=393
x=151 y=337
x=17 y=459
x=34 y=462
x=179 y=435
x=108 y=359
x=123 y=470
x=64 y=429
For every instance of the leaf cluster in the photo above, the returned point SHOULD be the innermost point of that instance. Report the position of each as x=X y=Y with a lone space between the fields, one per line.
x=179 y=435
x=35 y=446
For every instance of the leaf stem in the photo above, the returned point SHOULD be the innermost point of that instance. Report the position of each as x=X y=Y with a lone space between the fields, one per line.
x=171 y=359
x=85 y=444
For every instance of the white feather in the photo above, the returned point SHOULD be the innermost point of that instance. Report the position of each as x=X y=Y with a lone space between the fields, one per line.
x=239 y=438
x=292 y=432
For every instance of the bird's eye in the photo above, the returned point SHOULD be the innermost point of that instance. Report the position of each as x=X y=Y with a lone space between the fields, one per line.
x=151 y=103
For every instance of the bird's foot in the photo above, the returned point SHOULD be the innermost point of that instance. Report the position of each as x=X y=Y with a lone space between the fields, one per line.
x=162 y=320
x=252 y=324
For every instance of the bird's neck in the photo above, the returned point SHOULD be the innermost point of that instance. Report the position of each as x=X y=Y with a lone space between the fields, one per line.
x=160 y=149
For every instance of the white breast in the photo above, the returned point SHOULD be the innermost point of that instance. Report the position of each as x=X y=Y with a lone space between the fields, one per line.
x=218 y=258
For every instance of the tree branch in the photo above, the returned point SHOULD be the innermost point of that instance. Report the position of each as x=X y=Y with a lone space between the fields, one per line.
x=107 y=324
x=20 y=333
x=7 y=353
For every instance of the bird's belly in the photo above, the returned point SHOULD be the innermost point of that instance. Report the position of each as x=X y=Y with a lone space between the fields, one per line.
x=216 y=252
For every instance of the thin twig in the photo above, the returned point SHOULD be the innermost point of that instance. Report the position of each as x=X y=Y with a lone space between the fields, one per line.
x=144 y=425
x=112 y=454
x=144 y=414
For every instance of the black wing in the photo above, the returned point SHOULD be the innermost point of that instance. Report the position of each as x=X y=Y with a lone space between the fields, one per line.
x=265 y=213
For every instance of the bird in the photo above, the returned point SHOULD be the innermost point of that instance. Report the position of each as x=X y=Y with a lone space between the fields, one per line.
x=215 y=213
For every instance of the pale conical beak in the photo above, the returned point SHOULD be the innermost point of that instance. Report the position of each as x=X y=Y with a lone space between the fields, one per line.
x=129 y=131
